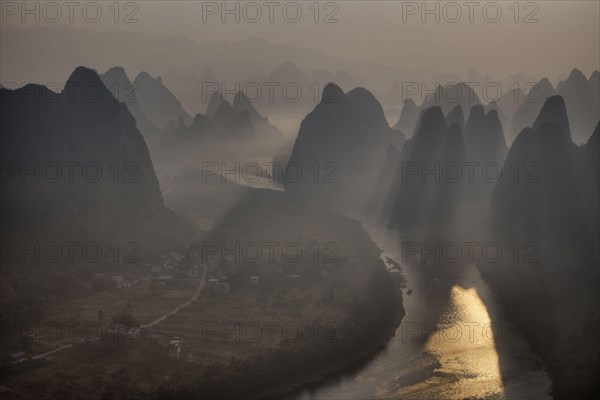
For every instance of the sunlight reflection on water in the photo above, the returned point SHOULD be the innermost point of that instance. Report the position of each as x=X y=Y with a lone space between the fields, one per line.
x=464 y=344
x=471 y=351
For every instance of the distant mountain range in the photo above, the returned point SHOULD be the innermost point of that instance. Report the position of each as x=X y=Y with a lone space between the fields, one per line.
x=235 y=60
x=515 y=108
x=116 y=80
x=581 y=98
x=283 y=89
x=237 y=120
x=172 y=134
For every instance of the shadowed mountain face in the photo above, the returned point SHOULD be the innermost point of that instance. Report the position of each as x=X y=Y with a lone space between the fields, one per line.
x=420 y=196
x=200 y=128
x=238 y=120
x=92 y=167
x=540 y=208
x=532 y=104
x=432 y=186
x=410 y=198
x=591 y=184
x=240 y=126
x=484 y=137
x=341 y=147
x=485 y=145
x=342 y=78
x=449 y=96
x=592 y=150
x=215 y=102
x=264 y=130
x=222 y=114
x=457 y=117
x=553 y=210
x=116 y=80
x=510 y=101
x=159 y=104
x=581 y=100
x=504 y=120
x=595 y=85
x=582 y=105
x=408 y=118
x=227 y=128
x=448 y=194
x=554 y=111
x=551 y=204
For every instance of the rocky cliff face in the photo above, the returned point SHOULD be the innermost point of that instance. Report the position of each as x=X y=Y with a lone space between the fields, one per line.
x=76 y=162
x=341 y=147
x=117 y=81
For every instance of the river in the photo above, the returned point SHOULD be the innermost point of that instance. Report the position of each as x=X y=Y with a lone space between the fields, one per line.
x=454 y=342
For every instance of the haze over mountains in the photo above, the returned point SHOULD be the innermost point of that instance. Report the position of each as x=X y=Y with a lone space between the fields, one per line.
x=555 y=211
x=127 y=92
x=548 y=204
x=300 y=200
x=516 y=110
x=345 y=157
x=347 y=137
x=340 y=147
x=113 y=48
x=71 y=130
x=159 y=101
x=181 y=136
x=250 y=60
x=578 y=93
x=282 y=89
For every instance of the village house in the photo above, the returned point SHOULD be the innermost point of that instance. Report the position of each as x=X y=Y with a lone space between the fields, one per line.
x=171 y=260
x=121 y=331
x=117 y=279
x=193 y=271
x=175 y=346
x=217 y=285
x=169 y=264
x=156 y=269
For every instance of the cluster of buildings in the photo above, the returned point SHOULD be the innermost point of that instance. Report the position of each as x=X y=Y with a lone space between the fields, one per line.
x=120 y=331
x=218 y=281
x=174 y=265
x=174 y=344
x=120 y=281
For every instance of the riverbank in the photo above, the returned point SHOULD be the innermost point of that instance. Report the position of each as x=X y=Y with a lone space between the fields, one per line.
x=437 y=353
x=342 y=284
x=341 y=367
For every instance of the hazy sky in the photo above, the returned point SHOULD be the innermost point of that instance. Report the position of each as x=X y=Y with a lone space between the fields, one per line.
x=566 y=34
